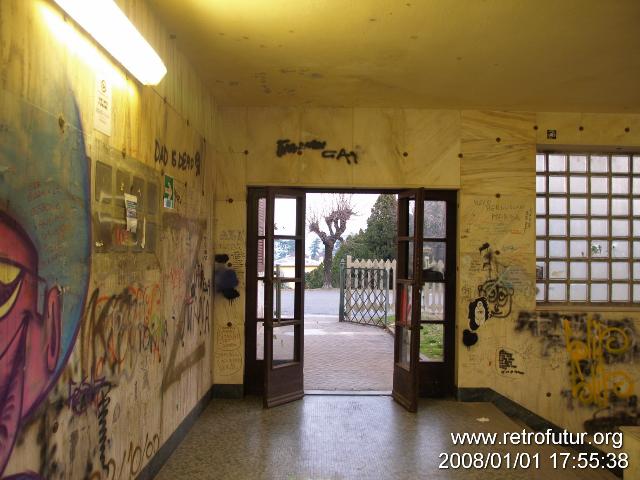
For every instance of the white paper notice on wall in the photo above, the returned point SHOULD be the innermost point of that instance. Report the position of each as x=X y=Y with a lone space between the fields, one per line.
x=102 y=116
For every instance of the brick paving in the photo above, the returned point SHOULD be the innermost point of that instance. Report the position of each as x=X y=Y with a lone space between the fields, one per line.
x=346 y=356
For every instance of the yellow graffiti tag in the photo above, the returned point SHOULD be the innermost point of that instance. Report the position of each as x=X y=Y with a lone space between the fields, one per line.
x=591 y=383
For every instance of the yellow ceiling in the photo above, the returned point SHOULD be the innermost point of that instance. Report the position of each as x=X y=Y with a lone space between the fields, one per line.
x=540 y=55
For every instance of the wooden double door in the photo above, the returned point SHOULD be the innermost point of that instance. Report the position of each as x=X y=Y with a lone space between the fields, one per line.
x=424 y=290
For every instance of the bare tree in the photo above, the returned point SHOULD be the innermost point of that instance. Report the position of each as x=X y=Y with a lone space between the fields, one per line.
x=336 y=218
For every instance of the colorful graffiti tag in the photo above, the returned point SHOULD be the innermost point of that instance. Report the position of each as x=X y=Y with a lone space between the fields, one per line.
x=44 y=258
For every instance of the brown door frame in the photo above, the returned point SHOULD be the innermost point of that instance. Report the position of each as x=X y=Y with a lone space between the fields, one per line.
x=254 y=369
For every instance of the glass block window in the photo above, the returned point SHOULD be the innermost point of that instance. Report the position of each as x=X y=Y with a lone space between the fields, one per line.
x=588 y=228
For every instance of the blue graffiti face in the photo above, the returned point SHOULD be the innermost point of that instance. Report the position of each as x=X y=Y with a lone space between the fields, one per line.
x=44 y=255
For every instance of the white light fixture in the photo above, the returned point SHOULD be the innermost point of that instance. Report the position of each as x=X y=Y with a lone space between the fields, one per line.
x=110 y=27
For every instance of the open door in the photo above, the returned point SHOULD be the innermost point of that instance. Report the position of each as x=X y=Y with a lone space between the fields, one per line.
x=407 y=288
x=284 y=248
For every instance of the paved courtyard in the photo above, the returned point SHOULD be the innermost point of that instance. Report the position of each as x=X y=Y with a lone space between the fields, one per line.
x=346 y=356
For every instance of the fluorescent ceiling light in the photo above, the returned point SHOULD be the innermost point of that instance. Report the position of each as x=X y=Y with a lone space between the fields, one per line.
x=111 y=28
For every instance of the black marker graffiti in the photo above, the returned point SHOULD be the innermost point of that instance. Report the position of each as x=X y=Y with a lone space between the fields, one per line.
x=478 y=315
x=286 y=146
x=179 y=160
x=497 y=289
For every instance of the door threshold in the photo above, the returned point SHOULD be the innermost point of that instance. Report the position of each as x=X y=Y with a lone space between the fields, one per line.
x=373 y=393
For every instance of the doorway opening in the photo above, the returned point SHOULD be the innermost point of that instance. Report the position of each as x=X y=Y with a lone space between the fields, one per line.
x=350 y=291
x=349 y=264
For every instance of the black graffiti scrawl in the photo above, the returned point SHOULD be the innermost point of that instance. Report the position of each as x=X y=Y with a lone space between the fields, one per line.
x=478 y=315
x=497 y=289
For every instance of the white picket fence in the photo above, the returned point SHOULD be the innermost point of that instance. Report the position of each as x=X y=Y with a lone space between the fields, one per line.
x=365 y=290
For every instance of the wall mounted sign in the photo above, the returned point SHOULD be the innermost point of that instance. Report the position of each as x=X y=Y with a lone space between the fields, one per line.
x=286 y=146
x=551 y=135
x=102 y=113
x=131 y=205
x=169 y=197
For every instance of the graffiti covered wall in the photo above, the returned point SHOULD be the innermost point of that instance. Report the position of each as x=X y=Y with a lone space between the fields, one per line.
x=106 y=302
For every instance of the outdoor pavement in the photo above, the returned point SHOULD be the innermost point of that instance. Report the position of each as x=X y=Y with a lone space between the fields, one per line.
x=346 y=356
x=338 y=356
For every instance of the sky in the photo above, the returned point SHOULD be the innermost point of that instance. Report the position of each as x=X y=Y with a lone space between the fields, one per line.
x=316 y=202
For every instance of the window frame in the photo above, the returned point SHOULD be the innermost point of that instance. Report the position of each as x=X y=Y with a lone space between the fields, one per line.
x=546 y=174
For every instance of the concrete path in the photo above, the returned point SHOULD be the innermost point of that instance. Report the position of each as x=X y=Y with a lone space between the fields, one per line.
x=346 y=356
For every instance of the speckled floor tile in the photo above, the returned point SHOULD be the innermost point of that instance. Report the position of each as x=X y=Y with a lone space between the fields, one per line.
x=345 y=437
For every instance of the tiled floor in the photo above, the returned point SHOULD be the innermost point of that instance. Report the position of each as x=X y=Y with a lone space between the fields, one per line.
x=346 y=356
x=345 y=437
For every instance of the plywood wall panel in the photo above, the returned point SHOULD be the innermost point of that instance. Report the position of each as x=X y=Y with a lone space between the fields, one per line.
x=136 y=328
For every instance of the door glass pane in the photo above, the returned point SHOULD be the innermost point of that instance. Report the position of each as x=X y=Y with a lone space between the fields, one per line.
x=261 y=257
x=578 y=227
x=262 y=216
x=620 y=249
x=636 y=250
x=432 y=301
x=435 y=219
x=433 y=261
x=578 y=292
x=404 y=305
x=285 y=216
x=284 y=301
x=558 y=270
x=260 y=341
x=541 y=206
x=284 y=256
x=578 y=248
x=636 y=271
x=405 y=348
x=283 y=344
x=636 y=185
x=578 y=163
x=432 y=342
x=541 y=184
x=411 y=219
x=620 y=271
x=578 y=270
x=540 y=292
x=557 y=184
x=636 y=286
x=557 y=227
x=260 y=299
x=410 y=254
x=636 y=207
x=620 y=292
x=636 y=228
x=578 y=184
x=540 y=163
